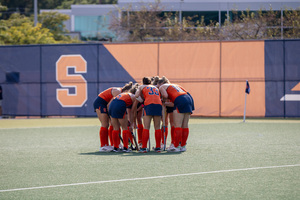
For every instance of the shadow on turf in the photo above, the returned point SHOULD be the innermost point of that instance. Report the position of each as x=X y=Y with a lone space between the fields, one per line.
x=133 y=153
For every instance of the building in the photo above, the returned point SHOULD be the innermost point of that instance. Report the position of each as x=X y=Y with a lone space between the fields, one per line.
x=92 y=21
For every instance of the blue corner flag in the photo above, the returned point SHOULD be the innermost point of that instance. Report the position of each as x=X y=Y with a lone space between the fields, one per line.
x=247 y=88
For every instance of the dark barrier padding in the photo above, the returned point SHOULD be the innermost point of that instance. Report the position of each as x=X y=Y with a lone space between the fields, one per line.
x=20 y=80
x=274 y=92
x=22 y=99
x=292 y=78
x=274 y=77
x=274 y=61
x=24 y=60
x=292 y=107
x=292 y=60
x=282 y=74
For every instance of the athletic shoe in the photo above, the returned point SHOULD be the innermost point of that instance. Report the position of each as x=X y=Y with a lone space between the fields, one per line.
x=111 y=148
x=106 y=149
x=158 y=150
x=182 y=149
x=171 y=146
x=143 y=150
x=174 y=149
x=117 y=150
x=126 y=150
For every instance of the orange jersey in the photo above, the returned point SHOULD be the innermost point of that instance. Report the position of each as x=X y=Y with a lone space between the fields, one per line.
x=151 y=95
x=126 y=98
x=175 y=91
x=106 y=95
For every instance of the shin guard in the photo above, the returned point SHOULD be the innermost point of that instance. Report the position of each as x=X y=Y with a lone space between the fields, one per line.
x=145 y=138
x=185 y=135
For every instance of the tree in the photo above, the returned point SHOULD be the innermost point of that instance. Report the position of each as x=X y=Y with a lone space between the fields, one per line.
x=251 y=25
x=2 y=8
x=291 y=23
x=150 y=23
x=20 y=30
x=139 y=25
x=54 y=22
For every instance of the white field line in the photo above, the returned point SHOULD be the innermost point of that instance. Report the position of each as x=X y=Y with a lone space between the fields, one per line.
x=152 y=177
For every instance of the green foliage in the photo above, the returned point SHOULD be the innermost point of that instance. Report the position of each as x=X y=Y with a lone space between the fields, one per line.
x=54 y=22
x=19 y=30
x=2 y=8
x=26 y=34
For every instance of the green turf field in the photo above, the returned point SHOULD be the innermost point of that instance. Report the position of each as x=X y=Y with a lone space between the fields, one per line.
x=225 y=159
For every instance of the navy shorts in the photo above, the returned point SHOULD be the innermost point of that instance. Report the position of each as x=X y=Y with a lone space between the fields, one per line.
x=193 y=106
x=100 y=104
x=184 y=104
x=153 y=109
x=117 y=109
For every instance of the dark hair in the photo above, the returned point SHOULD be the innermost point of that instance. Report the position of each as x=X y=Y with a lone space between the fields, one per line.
x=146 y=81
x=127 y=87
x=163 y=80
x=155 y=80
x=134 y=88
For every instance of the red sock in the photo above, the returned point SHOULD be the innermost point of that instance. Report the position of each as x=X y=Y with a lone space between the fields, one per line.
x=110 y=130
x=130 y=136
x=172 y=134
x=158 y=138
x=103 y=136
x=177 y=138
x=185 y=135
x=125 y=138
x=165 y=133
x=145 y=138
x=116 y=138
x=140 y=133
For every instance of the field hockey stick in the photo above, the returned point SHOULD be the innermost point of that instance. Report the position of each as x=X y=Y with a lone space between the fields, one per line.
x=149 y=143
x=134 y=131
x=164 y=121
x=121 y=138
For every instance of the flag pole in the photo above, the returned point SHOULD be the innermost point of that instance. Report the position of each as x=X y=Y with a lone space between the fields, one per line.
x=245 y=107
x=247 y=91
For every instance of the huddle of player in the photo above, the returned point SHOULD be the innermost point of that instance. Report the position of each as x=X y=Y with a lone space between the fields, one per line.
x=135 y=106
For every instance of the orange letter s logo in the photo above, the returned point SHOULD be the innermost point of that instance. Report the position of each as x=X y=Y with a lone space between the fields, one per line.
x=68 y=81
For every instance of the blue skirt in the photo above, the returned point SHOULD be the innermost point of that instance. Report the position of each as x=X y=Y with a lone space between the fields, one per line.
x=117 y=109
x=100 y=104
x=153 y=110
x=184 y=104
